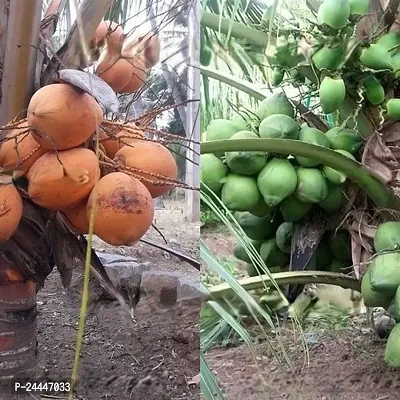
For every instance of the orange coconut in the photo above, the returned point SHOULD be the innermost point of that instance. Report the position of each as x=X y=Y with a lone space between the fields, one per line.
x=138 y=75
x=77 y=217
x=116 y=72
x=21 y=151
x=111 y=31
x=10 y=208
x=63 y=115
x=110 y=139
x=124 y=209
x=149 y=157
x=58 y=187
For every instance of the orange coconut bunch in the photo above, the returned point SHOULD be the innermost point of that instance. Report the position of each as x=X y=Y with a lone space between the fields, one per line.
x=124 y=63
x=53 y=148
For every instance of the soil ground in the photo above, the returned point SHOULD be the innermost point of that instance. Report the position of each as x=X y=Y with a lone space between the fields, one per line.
x=154 y=358
x=344 y=361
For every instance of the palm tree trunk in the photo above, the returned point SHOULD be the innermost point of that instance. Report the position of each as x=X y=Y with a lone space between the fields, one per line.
x=17 y=295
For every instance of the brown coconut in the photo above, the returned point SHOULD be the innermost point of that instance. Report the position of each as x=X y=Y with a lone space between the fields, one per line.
x=66 y=115
x=11 y=208
x=21 y=151
x=124 y=209
x=59 y=181
x=149 y=157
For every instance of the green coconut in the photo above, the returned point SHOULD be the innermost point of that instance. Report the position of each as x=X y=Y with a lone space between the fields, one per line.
x=385 y=273
x=240 y=122
x=359 y=7
x=344 y=139
x=334 y=13
x=395 y=306
x=213 y=171
x=328 y=57
x=261 y=209
x=277 y=181
x=389 y=41
x=371 y=297
x=258 y=228
x=393 y=109
x=340 y=245
x=293 y=210
x=272 y=255
x=396 y=64
x=220 y=129
x=246 y=162
x=276 y=104
x=313 y=136
x=296 y=76
x=240 y=193
x=387 y=237
x=376 y=57
x=279 y=126
x=332 y=93
x=334 y=176
x=312 y=187
x=277 y=76
x=284 y=237
x=335 y=199
x=240 y=253
x=374 y=91
x=392 y=350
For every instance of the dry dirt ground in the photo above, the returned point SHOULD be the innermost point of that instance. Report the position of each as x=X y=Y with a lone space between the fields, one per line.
x=344 y=363
x=154 y=358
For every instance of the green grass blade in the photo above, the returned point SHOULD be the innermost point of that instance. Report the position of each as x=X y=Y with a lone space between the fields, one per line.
x=226 y=316
x=208 y=384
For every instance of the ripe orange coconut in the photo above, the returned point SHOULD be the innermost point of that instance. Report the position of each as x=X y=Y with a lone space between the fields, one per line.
x=10 y=208
x=21 y=146
x=59 y=187
x=124 y=209
x=110 y=142
x=115 y=71
x=138 y=75
x=150 y=157
x=77 y=217
x=111 y=31
x=65 y=115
